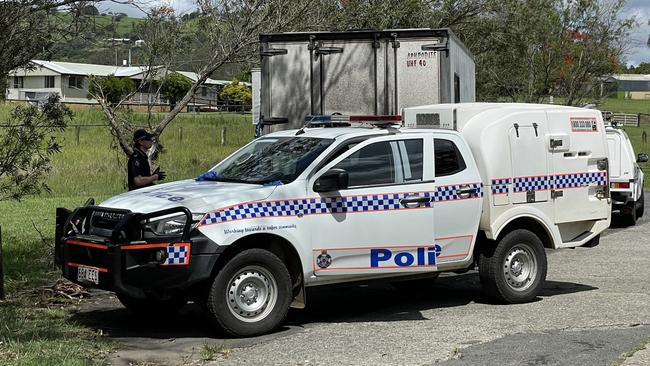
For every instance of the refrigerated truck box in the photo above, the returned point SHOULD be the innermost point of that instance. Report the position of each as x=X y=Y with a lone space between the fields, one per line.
x=358 y=73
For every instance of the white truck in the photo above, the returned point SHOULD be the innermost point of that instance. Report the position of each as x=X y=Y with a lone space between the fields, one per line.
x=376 y=72
x=626 y=177
x=462 y=185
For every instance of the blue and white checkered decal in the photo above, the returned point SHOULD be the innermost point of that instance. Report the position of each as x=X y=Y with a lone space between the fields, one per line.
x=580 y=180
x=544 y=182
x=177 y=254
x=327 y=205
x=524 y=184
x=500 y=186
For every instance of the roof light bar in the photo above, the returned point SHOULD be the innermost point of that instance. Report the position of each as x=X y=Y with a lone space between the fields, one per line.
x=383 y=119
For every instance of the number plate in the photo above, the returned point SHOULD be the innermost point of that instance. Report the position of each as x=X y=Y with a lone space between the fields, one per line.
x=88 y=274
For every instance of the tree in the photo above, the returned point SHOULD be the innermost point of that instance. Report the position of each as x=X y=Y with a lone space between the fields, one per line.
x=31 y=28
x=236 y=93
x=564 y=52
x=110 y=88
x=27 y=144
x=174 y=86
x=643 y=68
x=224 y=32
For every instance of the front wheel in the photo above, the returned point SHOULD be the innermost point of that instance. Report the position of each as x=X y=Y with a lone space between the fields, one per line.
x=251 y=294
x=513 y=270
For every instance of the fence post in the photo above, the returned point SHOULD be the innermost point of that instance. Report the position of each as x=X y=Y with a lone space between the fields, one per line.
x=223 y=136
x=180 y=134
x=2 y=273
x=77 y=131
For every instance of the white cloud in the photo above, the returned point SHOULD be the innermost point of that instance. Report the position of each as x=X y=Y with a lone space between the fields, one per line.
x=181 y=7
x=638 y=51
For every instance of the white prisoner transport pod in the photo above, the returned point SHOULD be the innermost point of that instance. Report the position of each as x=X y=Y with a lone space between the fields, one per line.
x=626 y=177
x=548 y=162
x=358 y=73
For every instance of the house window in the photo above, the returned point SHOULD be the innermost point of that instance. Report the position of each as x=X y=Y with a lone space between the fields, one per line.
x=49 y=81
x=204 y=91
x=19 y=82
x=76 y=82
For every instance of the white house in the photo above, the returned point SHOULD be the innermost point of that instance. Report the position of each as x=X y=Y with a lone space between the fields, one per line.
x=630 y=86
x=69 y=80
x=64 y=78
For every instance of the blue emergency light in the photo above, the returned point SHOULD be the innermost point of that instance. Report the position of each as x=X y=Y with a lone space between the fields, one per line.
x=337 y=118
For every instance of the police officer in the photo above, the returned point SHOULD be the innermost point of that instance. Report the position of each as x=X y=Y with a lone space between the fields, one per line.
x=139 y=170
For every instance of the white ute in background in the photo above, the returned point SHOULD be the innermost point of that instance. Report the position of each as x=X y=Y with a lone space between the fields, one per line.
x=626 y=177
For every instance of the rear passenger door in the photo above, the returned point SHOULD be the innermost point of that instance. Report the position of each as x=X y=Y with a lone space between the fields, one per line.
x=383 y=221
x=457 y=206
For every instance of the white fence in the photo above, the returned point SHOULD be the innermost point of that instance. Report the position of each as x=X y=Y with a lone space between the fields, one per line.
x=621 y=119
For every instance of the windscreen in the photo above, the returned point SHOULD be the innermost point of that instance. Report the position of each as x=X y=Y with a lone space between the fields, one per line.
x=271 y=159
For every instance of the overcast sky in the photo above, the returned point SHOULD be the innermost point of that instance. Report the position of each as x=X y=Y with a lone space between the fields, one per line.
x=638 y=50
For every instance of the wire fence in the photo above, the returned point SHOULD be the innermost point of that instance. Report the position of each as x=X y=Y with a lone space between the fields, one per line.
x=77 y=131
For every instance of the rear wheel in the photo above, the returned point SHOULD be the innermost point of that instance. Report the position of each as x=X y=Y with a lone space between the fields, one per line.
x=514 y=269
x=251 y=294
x=629 y=213
x=640 y=206
x=150 y=306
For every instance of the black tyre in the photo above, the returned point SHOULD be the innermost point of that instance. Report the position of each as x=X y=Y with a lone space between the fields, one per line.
x=640 y=206
x=513 y=270
x=630 y=217
x=152 y=307
x=251 y=294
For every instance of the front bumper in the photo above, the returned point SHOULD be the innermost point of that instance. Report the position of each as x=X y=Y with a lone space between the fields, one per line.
x=125 y=261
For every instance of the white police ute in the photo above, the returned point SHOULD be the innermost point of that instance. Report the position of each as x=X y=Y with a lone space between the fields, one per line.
x=461 y=185
x=626 y=177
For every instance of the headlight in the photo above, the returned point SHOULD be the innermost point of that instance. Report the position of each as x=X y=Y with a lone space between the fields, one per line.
x=172 y=225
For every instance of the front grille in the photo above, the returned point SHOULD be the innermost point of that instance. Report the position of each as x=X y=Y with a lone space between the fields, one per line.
x=105 y=220
x=89 y=256
x=102 y=223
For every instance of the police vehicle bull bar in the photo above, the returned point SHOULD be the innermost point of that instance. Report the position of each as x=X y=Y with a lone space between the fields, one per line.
x=127 y=252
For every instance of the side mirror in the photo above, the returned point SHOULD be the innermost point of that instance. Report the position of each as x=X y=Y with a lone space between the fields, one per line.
x=642 y=158
x=332 y=180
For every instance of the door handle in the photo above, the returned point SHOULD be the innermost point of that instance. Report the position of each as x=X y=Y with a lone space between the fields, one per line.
x=466 y=191
x=414 y=201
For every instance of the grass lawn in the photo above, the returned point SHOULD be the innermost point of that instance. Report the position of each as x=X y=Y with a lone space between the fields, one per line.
x=34 y=331
x=625 y=105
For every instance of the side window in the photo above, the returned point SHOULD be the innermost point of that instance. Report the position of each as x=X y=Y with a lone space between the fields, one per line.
x=448 y=160
x=372 y=165
x=411 y=157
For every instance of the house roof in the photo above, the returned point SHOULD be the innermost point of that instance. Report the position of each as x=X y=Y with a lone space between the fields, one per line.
x=629 y=77
x=194 y=76
x=72 y=68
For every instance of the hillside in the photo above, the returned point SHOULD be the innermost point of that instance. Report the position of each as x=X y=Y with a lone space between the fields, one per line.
x=90 y=46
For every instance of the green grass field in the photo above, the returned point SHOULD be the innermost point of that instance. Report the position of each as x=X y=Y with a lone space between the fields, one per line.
x=35 y=333
x=625 y=106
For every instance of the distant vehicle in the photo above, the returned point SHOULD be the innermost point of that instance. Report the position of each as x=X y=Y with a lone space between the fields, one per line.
x=461 y=185
x=625 y=176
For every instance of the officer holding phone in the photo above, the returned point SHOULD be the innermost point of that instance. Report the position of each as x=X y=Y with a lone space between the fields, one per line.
x=139 y=171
